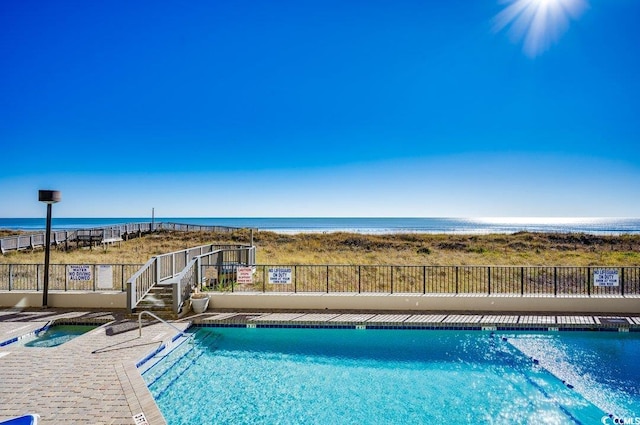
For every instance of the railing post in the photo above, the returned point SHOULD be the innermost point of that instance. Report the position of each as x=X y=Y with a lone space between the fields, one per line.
x=295 y=279
x=264 y=279
x=327 y=279
x=521 y=280
x=424 y=280
x=198 y=273
x=555 y=281
x=11 y=277
x=391 y=275
x=488 y=280
x=176 y=291
x=359 y=279
x=622 y=281
x=232 y=279
x=457 y=278
x=589 y=281
x=129 y=297
x=157 y=268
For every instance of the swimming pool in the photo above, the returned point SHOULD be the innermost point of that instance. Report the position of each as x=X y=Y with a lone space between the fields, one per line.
x=325 y=376
x=50 y=336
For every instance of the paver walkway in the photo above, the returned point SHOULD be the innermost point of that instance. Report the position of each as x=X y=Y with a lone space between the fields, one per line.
x=91 y=379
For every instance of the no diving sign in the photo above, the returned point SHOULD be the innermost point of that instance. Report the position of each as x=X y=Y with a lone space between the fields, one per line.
x=79 y=272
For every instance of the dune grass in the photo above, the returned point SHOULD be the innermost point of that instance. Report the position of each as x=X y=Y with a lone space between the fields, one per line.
x=524 y=249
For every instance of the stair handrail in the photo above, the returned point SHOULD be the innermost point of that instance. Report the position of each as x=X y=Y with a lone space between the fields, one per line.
x=168 y=266
x=157 y=318
x=191 y=276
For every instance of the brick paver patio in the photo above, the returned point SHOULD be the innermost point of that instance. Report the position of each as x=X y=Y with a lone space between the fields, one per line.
x=91 y=379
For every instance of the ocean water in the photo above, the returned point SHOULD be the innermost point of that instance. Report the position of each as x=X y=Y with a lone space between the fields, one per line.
x=370 y=225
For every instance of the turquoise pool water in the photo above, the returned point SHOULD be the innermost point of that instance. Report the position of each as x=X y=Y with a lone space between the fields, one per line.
x=56 y=335
x=340 y=376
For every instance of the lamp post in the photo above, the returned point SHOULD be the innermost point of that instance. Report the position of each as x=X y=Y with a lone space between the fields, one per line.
x=49 y=197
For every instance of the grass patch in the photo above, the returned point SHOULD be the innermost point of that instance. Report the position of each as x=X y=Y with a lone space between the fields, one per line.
x=523 y=248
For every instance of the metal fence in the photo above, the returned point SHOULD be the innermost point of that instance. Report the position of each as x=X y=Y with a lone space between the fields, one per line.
x=221 y=274
x=66 y=277
x=486 y=280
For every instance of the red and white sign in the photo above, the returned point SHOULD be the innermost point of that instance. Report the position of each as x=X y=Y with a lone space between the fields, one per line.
x=244 y=275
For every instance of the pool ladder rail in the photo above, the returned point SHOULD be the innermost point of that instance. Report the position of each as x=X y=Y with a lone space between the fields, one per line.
x=180 y=332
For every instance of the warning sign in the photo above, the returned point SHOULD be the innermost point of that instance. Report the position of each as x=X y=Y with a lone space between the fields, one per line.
x=606 y=277
x=244 y=275
x=82 y=273
x=281 y=275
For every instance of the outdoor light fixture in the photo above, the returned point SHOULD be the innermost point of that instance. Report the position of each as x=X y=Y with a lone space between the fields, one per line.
x=49 y=197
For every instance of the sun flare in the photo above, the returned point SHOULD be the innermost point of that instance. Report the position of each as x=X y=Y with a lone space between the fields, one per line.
x=538 y=23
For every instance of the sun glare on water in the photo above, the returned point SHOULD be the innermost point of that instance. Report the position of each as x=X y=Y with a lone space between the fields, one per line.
x=537 y=23
x=538 y=220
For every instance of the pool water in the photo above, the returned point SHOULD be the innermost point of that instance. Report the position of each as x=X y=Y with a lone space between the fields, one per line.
x=342 y=376
x=602 y=366
x=56 y=335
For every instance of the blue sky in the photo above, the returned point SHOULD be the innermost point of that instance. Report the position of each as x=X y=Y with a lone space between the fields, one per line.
x=318 y=108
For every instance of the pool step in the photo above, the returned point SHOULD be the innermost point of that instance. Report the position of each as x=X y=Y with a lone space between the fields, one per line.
x=163 y=375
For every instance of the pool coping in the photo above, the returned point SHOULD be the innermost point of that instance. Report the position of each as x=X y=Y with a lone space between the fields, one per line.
x=56 y=322
x=479 y=322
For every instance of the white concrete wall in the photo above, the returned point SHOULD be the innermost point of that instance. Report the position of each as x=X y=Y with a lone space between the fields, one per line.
x=322 y=301
x=411 y=302
x=100 y=300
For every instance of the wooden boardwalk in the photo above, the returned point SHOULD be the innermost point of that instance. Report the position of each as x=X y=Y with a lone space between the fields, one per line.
x=99 y=235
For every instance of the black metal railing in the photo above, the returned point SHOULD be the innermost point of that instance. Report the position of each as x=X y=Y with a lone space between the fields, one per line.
x=487 y=280
x=223 y=275
x=66 y=277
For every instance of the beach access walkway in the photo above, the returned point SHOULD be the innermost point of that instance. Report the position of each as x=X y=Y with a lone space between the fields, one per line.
x=100 y=235
x=93 y=379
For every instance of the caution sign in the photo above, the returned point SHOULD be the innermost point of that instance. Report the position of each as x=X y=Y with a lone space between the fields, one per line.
x=244 y=275
x=606 y=277
x=280 y=275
